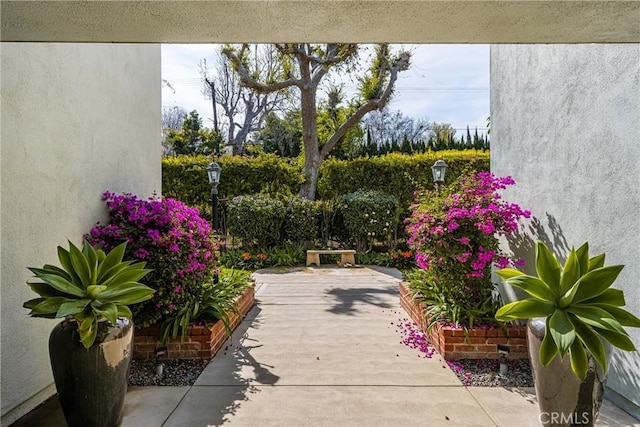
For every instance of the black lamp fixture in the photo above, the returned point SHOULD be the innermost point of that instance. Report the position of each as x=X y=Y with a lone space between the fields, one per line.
x=438 y=170
x=213 y=172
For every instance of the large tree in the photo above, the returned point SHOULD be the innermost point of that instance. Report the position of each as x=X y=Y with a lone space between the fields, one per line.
x=282 y=136
x=386 y=126
x=192 y=138
x=304 y=66
x=244 y=109
x=442 y=131
x=172 y=118
x=332 y=112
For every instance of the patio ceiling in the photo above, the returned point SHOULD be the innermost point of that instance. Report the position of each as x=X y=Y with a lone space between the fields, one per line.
x=426 y=21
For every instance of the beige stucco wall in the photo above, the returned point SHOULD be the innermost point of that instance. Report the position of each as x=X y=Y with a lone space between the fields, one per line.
x=565 y=123
x=76 y=120
x=393 y=21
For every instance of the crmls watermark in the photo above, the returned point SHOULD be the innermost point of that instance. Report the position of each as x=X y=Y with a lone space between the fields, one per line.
x=573 y=418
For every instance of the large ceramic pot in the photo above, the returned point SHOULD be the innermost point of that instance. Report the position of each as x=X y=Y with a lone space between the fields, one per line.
x=564 y=399
x=92 y=383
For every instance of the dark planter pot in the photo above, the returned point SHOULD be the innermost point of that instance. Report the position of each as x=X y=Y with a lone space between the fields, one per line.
x=92 y=383
x=564 y=399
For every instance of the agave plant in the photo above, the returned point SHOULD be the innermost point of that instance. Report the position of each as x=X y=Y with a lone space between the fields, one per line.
x=580 y=307
x=91 y=286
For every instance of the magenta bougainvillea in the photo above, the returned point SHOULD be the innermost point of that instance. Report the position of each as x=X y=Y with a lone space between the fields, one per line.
x=174 y=241
x=455 y=237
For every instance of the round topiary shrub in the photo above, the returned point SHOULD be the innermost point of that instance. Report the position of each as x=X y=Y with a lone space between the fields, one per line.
x=256 y=220
x=368 y=216
x=301 y=221
x=176 y=243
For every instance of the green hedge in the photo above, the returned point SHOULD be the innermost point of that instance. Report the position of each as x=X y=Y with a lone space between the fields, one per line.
x=302 y=221
x=260 y=220
x=256 y=219
x=396 y=174
x=368 y=215
x=185 y=177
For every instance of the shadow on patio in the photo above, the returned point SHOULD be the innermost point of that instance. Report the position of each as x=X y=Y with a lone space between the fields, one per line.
x=347 y=298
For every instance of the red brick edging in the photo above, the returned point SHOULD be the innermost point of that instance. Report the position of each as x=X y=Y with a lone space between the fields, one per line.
x=451 y=343
x=200 y=342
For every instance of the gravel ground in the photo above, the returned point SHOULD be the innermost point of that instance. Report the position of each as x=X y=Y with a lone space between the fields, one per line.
x=175 y=372
x=486 y=373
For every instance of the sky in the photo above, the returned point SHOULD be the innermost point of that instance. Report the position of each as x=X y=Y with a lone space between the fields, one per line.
x=445 y=83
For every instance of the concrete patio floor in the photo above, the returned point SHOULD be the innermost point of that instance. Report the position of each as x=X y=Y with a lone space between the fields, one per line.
x=319 y=349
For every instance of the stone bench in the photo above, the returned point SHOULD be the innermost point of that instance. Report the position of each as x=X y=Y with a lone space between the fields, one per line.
x=348 y=256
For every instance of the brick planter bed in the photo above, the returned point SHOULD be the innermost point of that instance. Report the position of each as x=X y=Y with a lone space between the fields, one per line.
x=200 y=342
x=451 y=343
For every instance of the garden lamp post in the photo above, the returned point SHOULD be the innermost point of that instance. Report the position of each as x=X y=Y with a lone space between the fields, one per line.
x=438 y=170
x=213 y=171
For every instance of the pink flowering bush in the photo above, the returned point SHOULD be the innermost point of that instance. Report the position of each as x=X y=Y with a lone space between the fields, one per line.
x=455 y=237
x=176 y=243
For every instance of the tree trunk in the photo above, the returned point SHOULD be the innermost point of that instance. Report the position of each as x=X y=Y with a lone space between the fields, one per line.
x=311 y=167
x=249 y=115
x=312 y=157
x=312 y=69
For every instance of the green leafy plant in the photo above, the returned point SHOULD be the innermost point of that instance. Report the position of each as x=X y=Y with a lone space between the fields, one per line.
x=580 y=307
x=185 y=177
x=216 y=302
x=373 y=258
x=91 y=286
x=402 y=260
x=232 y=258
x=368 y=216
x=287 y=256
x=301 y=222
x=444 y=302
x=256 y=220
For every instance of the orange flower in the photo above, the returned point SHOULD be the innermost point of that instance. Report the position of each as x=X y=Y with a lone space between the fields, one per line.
x=394 y=255
x=406 y=254
x=246 y=256
x=262 y=256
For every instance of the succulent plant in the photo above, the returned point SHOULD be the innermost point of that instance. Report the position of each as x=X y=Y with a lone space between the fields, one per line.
x=90 y=287
x=580 y=307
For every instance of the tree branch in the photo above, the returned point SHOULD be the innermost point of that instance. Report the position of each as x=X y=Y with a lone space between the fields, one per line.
x=373 y=104
x=333 y=54
x=250 y=82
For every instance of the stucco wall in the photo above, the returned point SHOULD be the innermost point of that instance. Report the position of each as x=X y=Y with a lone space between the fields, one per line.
x=396 y=21
x=77 y=119
x=565 y=123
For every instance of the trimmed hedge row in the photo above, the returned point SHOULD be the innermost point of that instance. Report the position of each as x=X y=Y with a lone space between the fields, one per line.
x=185 y=177
x=396 y=174
x=261 y=221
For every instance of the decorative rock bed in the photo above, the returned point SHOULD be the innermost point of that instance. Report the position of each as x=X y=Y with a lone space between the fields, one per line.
x=451 y=342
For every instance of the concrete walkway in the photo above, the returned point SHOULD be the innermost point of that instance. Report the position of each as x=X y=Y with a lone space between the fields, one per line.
x=319 y=349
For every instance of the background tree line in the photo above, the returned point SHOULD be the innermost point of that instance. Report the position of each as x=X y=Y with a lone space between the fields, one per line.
x=281 y=135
